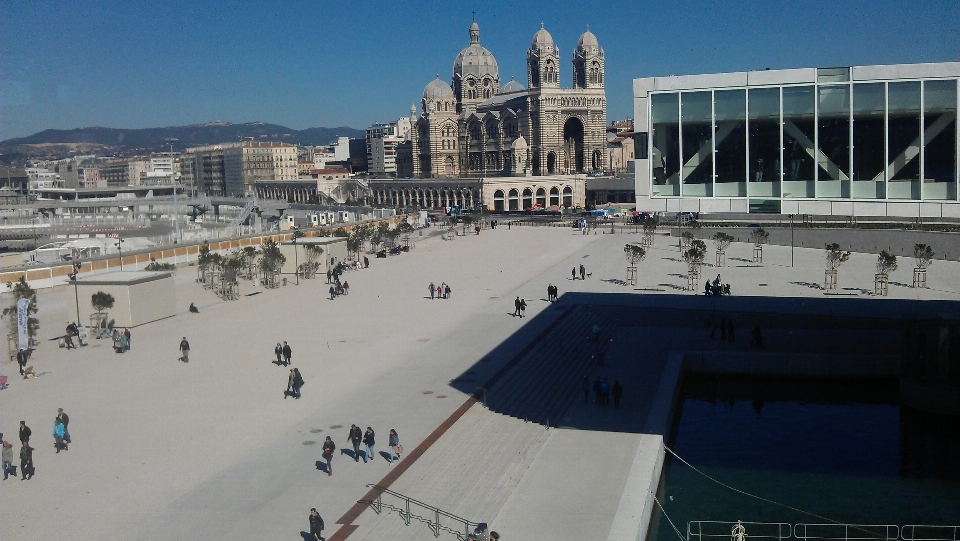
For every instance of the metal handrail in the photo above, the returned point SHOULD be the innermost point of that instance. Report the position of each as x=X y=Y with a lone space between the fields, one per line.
x=695 y=530
x=406 y=515
x=845 y=532
x=951 y=533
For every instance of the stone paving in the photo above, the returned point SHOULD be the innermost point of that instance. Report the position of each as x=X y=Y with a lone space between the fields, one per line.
x=167 y=450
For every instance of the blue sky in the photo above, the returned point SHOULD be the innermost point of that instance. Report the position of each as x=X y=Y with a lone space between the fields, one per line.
x=135 y=64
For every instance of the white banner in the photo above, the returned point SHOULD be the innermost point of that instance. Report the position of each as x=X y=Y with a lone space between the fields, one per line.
x=22 y=319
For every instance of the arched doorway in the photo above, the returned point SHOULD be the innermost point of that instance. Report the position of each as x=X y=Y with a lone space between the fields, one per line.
x=448 y=165
x=567 y=197
x=573 y=141
x=597 y=161
x=527 y=198
x=498 y=201
x=551 y=163
x=514 y=200
x=554 y=197
x=541 y=197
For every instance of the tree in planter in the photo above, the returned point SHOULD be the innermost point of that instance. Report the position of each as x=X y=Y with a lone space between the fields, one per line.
x=205 y=259
x=923 y=255
x=102 y=301
x=649 y=230
x=249 y=260
x=694 y=257
x=835 y=258
x=722 y=241
x=22 y=290
x=686 y=239
x=313 y=253
x=271 y=260
x=634 y=254
x=886 y=263
x=758 y=237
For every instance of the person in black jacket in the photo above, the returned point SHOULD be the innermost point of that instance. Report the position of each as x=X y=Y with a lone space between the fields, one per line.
x=287 y=353
x=278 y=351
x=369 y=440
x=25 y=432
x=316 y=524
x=328 y=449
x=355 y=437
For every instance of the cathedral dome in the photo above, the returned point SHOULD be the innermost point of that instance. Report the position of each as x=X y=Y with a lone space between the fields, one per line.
x=438 y=90
x=542 y=39
x=588 y=41
x=475 y=59
x=512 y=86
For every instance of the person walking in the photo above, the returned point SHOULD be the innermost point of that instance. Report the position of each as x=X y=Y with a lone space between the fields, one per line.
x=574 y=273
x=617 y=393
x=26 y=461
x=439 y=292
x=355 y=436
x=523 y=307
x=184 y=350
x=585 y=387
x=7 y=460
x=583 y=272
x=550 y=293
x=297 y=383
x=22 y=359
x=58 y=435
x=287 y=353
x=290 y=381
x=316 y=524
x=333 y=293
x=328 y=449
x=278 y=351
x=126 y=336
x=25 y=432
x=369 y=439
x=433 y=291
x=65 y=419
x=516 y=307
x=447 y=291
x=366 y=262
x=394 y=442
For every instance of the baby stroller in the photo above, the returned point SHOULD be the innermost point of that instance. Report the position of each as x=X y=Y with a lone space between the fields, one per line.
x=120 y=343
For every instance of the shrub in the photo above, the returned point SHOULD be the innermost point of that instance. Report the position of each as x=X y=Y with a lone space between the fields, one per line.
x=923 y=254
x=836 y=256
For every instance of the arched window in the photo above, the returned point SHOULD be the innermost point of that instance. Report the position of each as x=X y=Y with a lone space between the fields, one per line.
x=493 y=132
x=498 y=201
x=436 y=106
x=541 y=198
x=527 y=198
x=554 y=197
x=567 y=196
x=514 y=200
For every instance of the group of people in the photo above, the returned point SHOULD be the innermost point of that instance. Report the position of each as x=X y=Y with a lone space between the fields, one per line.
x=715 y=288
x=61 y=438
x=602 y=391
x=294 y=383
x=283 y=353
x=356 y=436
x=583 y=272
x=441 y=291
x=333 y=278
x=552 y=293
x=121 y=340
x=519 y=307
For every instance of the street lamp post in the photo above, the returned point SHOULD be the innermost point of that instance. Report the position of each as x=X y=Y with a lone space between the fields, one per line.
x=120 y=249
x=173 y=182
x=791 y=240
x=76 y=293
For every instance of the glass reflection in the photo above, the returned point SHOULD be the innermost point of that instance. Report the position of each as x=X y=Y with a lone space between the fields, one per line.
x=730 y=110
x=798 y=135
x=903 y=140
x=697 y=148
x=940 y=139
x=764 y=111
x=665 y=161
x=833 y=156
x=868 y=137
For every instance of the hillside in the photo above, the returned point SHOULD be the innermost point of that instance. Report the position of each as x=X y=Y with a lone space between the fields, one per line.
x=99 y=140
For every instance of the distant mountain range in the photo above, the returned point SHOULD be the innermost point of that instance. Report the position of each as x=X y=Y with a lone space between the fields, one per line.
x=52 y=144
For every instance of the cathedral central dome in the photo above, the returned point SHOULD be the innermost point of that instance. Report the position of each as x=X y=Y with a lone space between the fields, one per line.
x=475 y=59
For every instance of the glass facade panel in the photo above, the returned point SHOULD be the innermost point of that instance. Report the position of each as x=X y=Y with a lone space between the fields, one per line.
x=799 y=124
x=730 y=110
x=764 y=112
x=903 y=140
x=869 y=105
x=665 y=159
x=697 y=147
x=833 y=132
x=940 y=140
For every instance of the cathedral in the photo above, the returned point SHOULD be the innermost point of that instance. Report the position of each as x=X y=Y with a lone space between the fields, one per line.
x=474 y=127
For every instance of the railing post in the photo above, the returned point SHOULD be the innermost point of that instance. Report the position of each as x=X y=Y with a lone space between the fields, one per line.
x=436 y=525
x=406 y=519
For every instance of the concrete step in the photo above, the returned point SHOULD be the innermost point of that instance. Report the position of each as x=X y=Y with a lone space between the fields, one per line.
x=492 y=505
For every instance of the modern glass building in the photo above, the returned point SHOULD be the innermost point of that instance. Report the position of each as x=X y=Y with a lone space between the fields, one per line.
x=854 y=141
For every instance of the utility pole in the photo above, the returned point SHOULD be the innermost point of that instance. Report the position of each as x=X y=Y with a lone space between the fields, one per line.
x=791 y=240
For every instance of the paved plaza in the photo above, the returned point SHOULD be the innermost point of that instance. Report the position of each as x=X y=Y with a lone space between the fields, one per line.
x=211 y=449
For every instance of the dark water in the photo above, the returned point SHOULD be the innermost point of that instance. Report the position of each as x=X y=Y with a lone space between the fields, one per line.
x=843 y=450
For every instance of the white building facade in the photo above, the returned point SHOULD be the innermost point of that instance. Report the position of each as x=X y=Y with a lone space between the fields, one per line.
x=382 y=142
x=852 y=141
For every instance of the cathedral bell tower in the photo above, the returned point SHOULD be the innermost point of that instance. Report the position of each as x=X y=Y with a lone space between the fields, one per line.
x=543 y=61
x=588 y=62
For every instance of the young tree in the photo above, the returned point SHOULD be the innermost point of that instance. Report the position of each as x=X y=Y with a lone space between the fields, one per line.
x=22 y=290
x=102 y=301
x=271 y=260
x=649 y=230
x=313 y=253
x=205 y=257
x=886 y=263
x=634 y=255
x=923 y=255
x=694 y=257
x=759 y=237
x=836 y=256
x=721 y=241
x=686 y=239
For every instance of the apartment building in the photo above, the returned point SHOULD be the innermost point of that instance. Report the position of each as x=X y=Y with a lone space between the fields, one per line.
x=233 y=168
x=382 y=141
